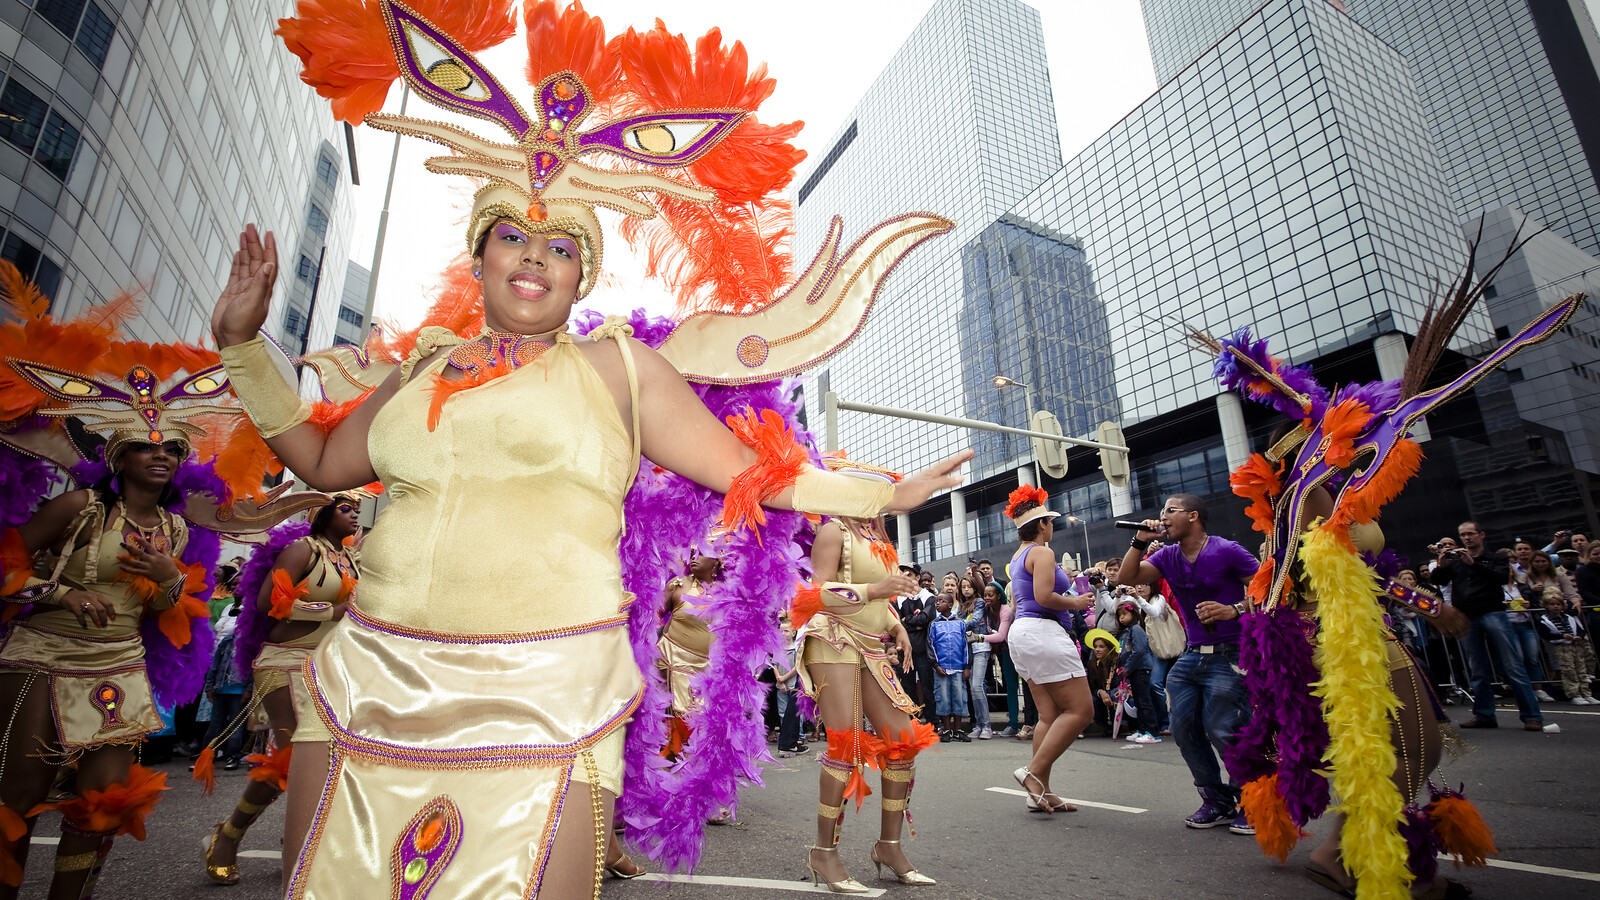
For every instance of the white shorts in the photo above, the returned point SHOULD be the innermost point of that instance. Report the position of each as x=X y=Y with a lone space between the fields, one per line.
x=1043 y=652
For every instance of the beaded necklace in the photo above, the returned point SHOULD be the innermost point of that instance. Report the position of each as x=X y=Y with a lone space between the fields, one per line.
x=494 y=349
x=158 y=537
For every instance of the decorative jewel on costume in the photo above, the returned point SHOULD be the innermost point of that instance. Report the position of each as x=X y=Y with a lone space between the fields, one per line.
x=496 y=350
x=1422 y=602
x=425 y=847
x=107 y=698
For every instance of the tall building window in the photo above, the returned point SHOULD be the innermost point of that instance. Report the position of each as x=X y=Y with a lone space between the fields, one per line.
x=318 y=220
x=291 y=322
x=94 y=35
x=21 y=115
x=326 y=170
x=57 y=143
x=346 y=314
x=307 y=270
x=63 y=14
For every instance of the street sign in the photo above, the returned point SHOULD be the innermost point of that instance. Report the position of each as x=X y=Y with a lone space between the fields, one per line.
x=1052 y=455
x=1113 y=463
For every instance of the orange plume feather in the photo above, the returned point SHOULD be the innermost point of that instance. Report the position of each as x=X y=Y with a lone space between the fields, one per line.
x=678 y=732
x=1364 y=503
x=205 y=771
x=919 y=737
x=1276 y=832
x=807 y=603
x=121 y=807
x=459 y=307
x=327 y=416
x=272 y=768
x=21 y=295
x=442 y=389
x=345 y=52
x=1257 y=481
x=1462 y=831
x=1023 y=494
x=16 y=563
x=1261 y=582
x=285 y=594
x=727 y=259
x=572 y=40
x=1340 y=426
x=12 y=831
x=780 y=460
x=885 y=553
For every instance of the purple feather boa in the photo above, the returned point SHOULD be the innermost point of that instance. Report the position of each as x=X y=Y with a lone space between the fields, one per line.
x=1237 y=377
x=1422 y=844
x=24 y=482
x=667 y=804
x=1275 y=650
x=254 y=625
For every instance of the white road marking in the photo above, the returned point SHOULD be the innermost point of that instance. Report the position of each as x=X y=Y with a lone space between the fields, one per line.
x=1537 y=870
x=1111 y=806
x=771 y=884
x=261 y=854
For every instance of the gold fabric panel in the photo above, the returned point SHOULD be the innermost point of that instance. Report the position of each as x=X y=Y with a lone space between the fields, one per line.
x=685 y=648
x=76 y=670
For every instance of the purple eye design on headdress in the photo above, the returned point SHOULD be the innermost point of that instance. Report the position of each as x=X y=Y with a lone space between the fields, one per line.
x=203 y=385
x=443 y=71
x=67 y=387
x=665 y=138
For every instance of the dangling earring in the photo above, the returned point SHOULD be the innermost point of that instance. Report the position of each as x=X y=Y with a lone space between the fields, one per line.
x=477 y=274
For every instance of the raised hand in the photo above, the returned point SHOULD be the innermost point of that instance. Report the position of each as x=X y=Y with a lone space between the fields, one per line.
x=919 y=486
x=242 y=307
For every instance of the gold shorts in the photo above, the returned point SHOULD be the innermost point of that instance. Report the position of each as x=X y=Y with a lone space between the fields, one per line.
x=283 y=665
x=98 y=690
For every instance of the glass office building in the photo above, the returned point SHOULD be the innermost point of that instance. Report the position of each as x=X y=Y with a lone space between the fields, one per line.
x=138 y=138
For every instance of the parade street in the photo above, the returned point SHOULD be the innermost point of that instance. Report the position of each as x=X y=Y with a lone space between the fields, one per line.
x=974 y=836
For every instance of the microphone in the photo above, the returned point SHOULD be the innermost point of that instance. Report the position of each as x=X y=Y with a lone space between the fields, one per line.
x=1130 y=526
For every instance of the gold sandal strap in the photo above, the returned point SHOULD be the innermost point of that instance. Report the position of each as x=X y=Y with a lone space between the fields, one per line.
x=829 y=812
x=840 y=774
x=232 y=832
x=892 y=804
x=77 y=862
x=253 y=809
x=904 y=776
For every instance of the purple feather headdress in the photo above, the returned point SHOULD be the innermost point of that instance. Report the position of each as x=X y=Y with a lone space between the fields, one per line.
x=1244 y=365
x=666 y=804
x=254 y=625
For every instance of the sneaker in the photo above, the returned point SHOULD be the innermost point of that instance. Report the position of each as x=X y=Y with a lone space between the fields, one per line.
x=985 y=734
x=1241 y=825
x=1544 y=697
x=961 y=736
x=1008 y=731
x=946 y=737
x=1210 y=815
x=1140 y=737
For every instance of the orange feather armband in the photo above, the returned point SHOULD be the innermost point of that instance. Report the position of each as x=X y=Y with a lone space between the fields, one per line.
x=780 y=460
x=285 y=594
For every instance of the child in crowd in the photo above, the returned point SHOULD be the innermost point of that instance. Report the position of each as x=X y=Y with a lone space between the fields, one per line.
x=1105 y=676
x=787 y=683
x=1565 y=635
x=973 y=611
x=1137 y=661
x=947 y=636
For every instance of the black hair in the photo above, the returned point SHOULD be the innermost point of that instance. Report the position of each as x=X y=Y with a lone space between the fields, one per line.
x=1030 y=531
x=1193 y=503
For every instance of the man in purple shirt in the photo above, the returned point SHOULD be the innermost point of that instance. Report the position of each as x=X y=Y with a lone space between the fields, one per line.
x=1208 y=701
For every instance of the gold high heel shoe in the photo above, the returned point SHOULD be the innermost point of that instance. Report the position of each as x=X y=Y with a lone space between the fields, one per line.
x=847 y=886
x=911 y=877
x=616 y=869
x=220 y=874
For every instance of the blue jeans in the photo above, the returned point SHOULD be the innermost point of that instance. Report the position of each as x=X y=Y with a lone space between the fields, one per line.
x=1158 y=687
x=978 y=689
x=950 y=695
x=1496 y=627
x=1528 y=642
x=1209 y=705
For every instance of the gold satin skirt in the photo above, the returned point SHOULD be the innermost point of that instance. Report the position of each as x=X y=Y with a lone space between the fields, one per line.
x=283 y=665
x=679 y=664
x=98 y=690
x=451 y=754
x=829 y=640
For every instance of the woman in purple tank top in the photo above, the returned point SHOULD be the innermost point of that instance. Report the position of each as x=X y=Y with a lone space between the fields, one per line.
x=1042 y=648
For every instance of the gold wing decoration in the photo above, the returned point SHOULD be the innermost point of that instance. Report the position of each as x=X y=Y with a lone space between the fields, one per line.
x=348 y=373
x=247 y=520
x=814 y=319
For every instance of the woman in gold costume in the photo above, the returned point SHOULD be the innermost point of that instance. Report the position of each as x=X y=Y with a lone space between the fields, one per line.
x=685 y=644
x=848 y=652
x=299 y=596
x=472 y=714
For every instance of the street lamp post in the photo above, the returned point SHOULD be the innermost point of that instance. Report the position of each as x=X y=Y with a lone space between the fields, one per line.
x=1087 y=558
x=1003 y=381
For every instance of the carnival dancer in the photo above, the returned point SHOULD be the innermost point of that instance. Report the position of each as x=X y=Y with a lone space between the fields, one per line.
x=105 y=586
x=852 y=641
x=1359 y=706
x=475 y=708
x=1205 y=688
x=1042 y=647
x=685 y=644
x=299 y=585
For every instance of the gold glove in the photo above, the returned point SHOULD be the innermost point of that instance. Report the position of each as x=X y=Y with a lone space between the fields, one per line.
x=270 y=401
x=837 y=593
x=833 y=494
x=313 y=611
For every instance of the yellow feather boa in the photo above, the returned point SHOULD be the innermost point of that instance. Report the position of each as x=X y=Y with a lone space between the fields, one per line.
x=1358 y=703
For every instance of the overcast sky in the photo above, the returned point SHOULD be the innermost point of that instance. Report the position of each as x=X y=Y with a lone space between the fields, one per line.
x=823 y=54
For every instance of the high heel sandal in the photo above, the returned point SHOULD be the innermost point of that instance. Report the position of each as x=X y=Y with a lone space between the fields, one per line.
x=219 y=874
x=909 y=877
x=847 y=886
x=616 y=871
x=1036 y=801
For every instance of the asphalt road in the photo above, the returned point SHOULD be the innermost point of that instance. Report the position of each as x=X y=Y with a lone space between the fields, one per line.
x=1536 y=790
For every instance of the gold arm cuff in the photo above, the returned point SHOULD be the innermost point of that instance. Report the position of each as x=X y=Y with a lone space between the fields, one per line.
x=270 y=401
x=232 y=833
x=77 y=862
x=837 y=593
x=35 y=590
x=889 y=804
x=312 y=612
x=830 y=812
x=901 y=775
x=833 y=494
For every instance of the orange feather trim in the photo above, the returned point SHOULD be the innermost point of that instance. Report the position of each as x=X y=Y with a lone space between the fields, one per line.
x=285 y=594
x=852 y=745
x=1257 y=481
x=12 y=831
x=16 y=563
x=1023 y=494
x=164 y=360
x=174 y=621
x=678 y=732
x=347 y=587
x=239 y=455
x=1261 y=582
x=121 y=807
x=884 y=552
x=327 y=416
x=1340 y=426
x=780 y=460
x=570 y=39
x=271 y=768
x=1364 y=504
x=345 y=52
x=205 y=771
x=807 y=603
x=21 y=296
x=459 y=307
x=1462 y=831
x=919 y=737
x=145 y=589
x=727 y=259
x=442 y=389
x=1269 y=816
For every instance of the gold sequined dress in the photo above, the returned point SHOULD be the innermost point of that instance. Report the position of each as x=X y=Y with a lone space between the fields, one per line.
x=283 y=665
x=99 y=693
x=851 y=629
x=685 y=646
x=470 y=686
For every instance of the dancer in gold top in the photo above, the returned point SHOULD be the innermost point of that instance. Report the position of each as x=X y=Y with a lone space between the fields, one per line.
x=475 y=711
x=848 y=652
x=685 y=644
x=300 y=584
